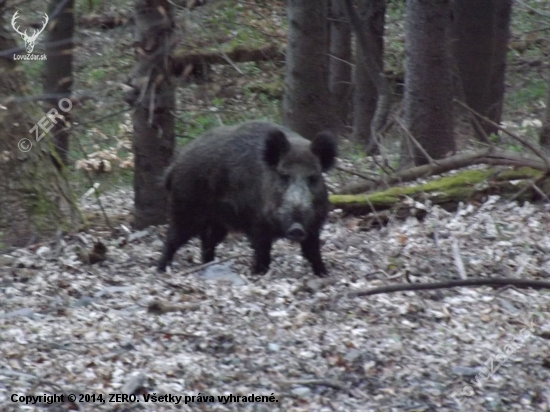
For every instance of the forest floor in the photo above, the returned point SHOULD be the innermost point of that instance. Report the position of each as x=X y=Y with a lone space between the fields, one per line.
x=67 y=327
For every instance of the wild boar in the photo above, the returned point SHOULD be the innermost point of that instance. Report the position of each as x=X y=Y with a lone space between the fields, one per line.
x=257 y=178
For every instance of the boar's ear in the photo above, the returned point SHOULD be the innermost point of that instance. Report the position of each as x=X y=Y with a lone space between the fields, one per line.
x=276 y=145
x=324 y=147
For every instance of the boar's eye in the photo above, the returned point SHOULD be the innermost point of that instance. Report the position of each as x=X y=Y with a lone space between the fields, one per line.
x=313 y=180
x=285 y=177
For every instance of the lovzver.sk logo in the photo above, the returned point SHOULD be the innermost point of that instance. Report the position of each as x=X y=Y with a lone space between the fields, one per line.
x=29 y=40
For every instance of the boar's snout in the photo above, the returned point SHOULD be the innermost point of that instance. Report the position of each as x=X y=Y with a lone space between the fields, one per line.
x=296 y=232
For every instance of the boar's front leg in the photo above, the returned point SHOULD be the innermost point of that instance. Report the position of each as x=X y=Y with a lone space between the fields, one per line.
x=311 y=250
x=211 y=236
x=261 y=243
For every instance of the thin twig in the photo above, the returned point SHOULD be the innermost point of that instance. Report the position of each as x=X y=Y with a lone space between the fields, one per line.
x=532 y=184
x=374 y=212
x=539 y=29
x=92 y=184
x=358 y=174
x=228 y=60
x=536 y=11
x=458 y=259
x=416 y=142
x=540 y=192
x=340 y=60
x=331 y=383
x=524 y=142
x=205 y=265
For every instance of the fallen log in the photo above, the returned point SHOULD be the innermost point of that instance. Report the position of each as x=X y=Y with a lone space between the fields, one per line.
x=104 y=21
x=198 y=63
x=488 y=156
x=110 y=21
x=467 y=186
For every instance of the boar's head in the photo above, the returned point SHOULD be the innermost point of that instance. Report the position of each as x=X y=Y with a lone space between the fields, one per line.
x=294 y=192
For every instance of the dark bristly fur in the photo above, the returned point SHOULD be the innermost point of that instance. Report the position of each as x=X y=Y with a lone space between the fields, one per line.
x=257 y=178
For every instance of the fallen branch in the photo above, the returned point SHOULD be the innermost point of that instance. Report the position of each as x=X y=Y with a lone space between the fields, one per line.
x=187 y=63
x=214 y=262
x=104 y=22
x=404 y=287
x=536 y=150
x=489 y=156
x=329 y=383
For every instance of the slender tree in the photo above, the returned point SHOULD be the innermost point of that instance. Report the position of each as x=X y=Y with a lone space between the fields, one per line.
x=36 y=199
x=368 y=39
x=307 y=105
x=545 y=131
x=428 y=82
x=340 y=63
x=153 y=101
x=365 y=95
x=497 y=88
x=58 y=72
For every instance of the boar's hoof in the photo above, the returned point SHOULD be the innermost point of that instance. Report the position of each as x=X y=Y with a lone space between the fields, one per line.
x=296 y=232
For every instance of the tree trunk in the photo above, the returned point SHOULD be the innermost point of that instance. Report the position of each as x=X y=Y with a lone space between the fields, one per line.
x=545 y=131
x=35 y=199
x=498 y=74
x=340 y=62
x=428 y=82
x=306 y=101
x=372 y=14
x=58 y=71
x=480 y=32
x=153 y=100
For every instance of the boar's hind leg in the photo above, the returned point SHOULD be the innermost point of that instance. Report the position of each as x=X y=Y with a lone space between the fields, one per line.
x=311 y=250
x=262 y=253
x=177 y=235
x=211 y=237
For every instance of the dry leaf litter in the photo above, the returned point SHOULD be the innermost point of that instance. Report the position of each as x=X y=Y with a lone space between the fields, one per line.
x=119 y=327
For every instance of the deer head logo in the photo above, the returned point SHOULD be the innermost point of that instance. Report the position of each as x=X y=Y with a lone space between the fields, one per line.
x=29 y=40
